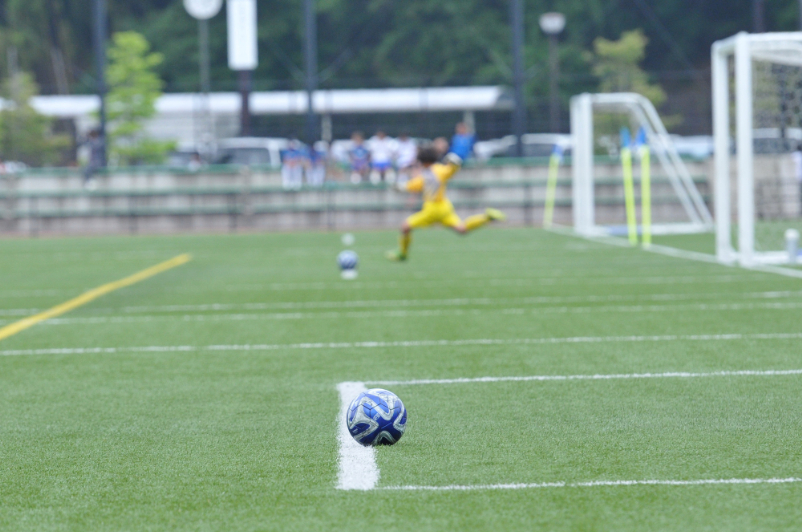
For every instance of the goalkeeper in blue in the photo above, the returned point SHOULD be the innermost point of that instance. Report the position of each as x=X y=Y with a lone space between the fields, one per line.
x=431 y=182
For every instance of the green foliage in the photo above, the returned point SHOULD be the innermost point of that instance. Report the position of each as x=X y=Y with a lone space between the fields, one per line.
x=617 y=65
x=446 y=41
x=134 y=88
x=26 y=135
x=384 y=43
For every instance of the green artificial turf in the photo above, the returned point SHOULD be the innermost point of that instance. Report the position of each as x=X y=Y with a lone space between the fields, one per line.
x=227 y=439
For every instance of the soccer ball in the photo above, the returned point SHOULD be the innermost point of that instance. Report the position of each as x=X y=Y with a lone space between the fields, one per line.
x=348 y=239
x=348 y=262
x=376 y=417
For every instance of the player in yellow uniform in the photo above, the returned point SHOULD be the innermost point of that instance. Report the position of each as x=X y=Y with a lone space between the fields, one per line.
x=431 y=183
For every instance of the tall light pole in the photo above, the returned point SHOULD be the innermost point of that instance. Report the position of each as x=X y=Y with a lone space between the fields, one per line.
x=553 y=25
x=243 y=52
x=310 y=63
x=203 y=10
x=519 y=77
x=758 y=16
x=101 y=35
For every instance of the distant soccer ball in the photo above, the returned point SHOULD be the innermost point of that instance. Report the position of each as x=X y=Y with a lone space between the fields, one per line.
x=348 y=262
x=377 y=417
x=348 y=239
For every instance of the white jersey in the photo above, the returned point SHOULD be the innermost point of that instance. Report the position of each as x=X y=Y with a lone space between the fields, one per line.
x=406 y=153
x=381 y=150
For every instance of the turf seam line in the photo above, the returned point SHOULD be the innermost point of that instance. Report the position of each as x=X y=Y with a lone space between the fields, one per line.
x=91 y=295
x=620 y=376
x=357 y=464
x=411 y=343
x=596 y=484
x=189 y=318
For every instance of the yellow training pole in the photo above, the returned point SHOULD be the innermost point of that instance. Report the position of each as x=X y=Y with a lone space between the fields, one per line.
x=629 y=195
x=646 y=194
x=551 y=188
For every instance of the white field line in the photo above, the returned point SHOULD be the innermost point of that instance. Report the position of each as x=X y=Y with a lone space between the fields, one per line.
x=358 y=469
x=475 y=281
x=409 y=344
x=395 y=303
x=704 y=257
x=680 y=253
x=281 y=316
x=20 y=311
x=598 y=484
x=36 y=293
x=406 y=303
x=624 y=376
x=787 y=272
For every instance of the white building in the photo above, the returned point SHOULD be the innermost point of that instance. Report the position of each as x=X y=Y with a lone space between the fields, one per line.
x=181 y=117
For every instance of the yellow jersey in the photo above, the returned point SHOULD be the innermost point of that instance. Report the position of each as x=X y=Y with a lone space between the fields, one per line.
x=431 y=182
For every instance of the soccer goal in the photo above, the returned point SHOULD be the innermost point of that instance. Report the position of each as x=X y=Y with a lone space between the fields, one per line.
x=757 y=98
x=609 y=182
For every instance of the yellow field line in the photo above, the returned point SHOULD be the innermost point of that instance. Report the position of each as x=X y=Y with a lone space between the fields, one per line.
x=83 y=299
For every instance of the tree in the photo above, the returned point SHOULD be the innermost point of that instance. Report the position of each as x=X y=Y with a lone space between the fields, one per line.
x=617 y=65
x=134 y=88
x=26 y=135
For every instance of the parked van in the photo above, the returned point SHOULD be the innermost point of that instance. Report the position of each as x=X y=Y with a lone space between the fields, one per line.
x=251 y=151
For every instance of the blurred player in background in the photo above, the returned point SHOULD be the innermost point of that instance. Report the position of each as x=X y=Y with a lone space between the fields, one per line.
x=293 y=160
x=382 y=148
x=316 y=169
x=463 y=140
x=406 y=155
x=441 y=146
x=431 y=183
x=96 y=148
x=359 y=157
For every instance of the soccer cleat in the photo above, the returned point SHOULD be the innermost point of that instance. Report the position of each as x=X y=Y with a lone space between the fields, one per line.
x=395 y=256
x=496 y=215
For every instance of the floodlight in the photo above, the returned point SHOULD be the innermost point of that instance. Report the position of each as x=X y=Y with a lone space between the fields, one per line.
x=552 y=23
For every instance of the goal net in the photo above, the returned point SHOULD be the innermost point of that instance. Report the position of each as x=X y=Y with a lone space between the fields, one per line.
x=629 y=179
x=757 y=101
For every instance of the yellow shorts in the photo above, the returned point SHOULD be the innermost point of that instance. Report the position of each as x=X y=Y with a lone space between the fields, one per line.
x=433 y=212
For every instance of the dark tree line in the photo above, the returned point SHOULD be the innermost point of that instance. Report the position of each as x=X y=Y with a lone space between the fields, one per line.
x=366 y=43
x=373 y=42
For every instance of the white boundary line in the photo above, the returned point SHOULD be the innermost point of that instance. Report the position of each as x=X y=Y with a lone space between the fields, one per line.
x=597 y=483
x=678 y=253
x=669 y=375
x=529 y=281
x=358 y=469
x=410 y=303
x=404 y=344
x=378 y=314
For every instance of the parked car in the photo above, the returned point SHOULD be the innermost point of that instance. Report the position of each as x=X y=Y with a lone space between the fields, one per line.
x=251 y=151
x=535 y=145
x=696 y=147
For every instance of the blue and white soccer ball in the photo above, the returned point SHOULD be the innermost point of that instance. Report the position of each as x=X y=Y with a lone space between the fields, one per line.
x=348 y=261
x=377 y=417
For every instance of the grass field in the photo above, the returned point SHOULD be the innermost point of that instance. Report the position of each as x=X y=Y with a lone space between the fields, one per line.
x=206 y=398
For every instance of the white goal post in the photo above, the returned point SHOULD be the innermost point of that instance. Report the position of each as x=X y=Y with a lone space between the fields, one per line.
x=642 y=113
x=737 y=63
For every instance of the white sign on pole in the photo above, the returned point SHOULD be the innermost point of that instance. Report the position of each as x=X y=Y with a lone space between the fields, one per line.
x=203 y=9
x=243 y=53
